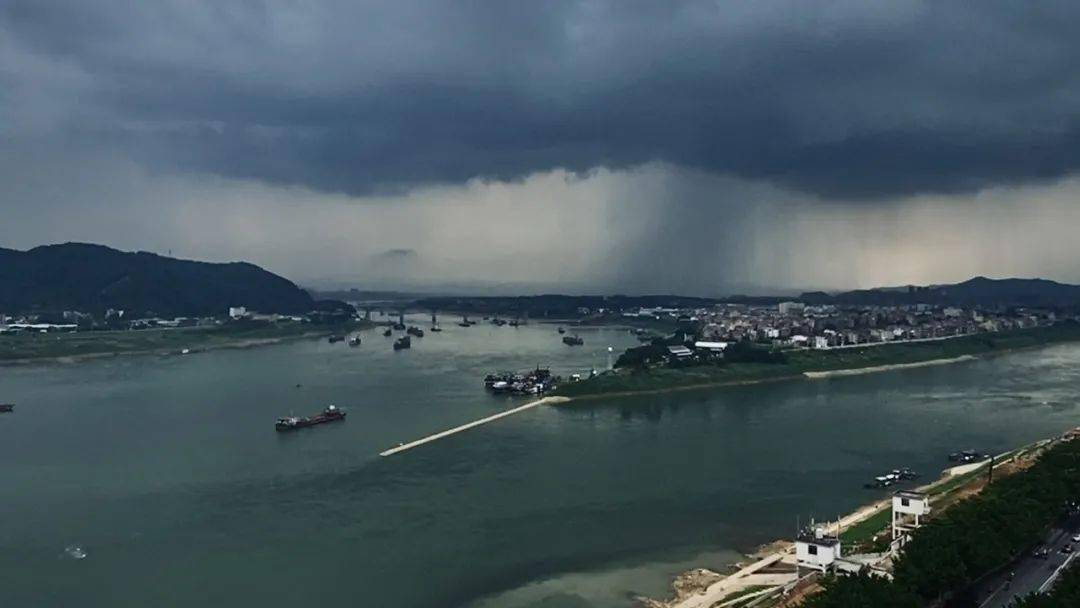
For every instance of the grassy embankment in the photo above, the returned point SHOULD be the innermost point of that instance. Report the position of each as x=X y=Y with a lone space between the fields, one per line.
x=38 y=346
x=871 y=534
x=973 y=537
x=796 y=362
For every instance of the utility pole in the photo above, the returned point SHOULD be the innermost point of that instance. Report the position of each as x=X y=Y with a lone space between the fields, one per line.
x=990 y=473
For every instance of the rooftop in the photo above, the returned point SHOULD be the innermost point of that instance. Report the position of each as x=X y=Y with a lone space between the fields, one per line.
x=810 y=539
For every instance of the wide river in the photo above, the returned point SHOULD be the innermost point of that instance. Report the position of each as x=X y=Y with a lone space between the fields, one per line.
x=160 y=481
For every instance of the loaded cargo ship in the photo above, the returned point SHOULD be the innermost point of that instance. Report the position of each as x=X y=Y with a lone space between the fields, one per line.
x=291 y=423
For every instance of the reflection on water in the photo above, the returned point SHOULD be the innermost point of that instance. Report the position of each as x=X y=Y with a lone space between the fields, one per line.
x=169 y=475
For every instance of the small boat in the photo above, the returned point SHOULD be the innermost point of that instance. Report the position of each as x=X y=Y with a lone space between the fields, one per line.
x=291 y=423
x=436 y=328
x=334 y=339
x=967 y=456
x=7 y=407
x=892 y=477
x=881 y=481
x=354 y=341
x=561 y=330
x=573 y=341
x=415 y=331
x=402 y=343
x=388 y=333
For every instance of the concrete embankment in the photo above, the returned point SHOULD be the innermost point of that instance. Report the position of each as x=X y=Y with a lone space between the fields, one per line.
x=885 y=368
x=470 y=425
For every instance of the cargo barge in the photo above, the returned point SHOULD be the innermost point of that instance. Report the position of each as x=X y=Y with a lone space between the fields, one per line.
x=291 y=423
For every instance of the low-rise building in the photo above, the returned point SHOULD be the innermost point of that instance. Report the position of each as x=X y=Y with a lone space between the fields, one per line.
x=816 y=551
x=680 y=352
x=908 y=510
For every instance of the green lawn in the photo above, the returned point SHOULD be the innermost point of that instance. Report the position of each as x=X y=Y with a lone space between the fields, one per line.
x=865 y=530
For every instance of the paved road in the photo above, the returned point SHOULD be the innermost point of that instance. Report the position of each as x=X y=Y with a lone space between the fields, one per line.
x=1031 y=573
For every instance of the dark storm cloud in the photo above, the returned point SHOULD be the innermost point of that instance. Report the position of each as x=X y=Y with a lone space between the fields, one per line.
x=840 y=99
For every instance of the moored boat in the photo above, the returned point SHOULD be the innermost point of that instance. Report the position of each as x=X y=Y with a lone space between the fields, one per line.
x=966 y=456
x=402 y=343
x=894 y=476
x=7 y=407
x=354 y=341
x=573 y=340
x=532 y=382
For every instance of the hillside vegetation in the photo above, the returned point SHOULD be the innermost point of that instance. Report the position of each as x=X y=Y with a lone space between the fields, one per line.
x=93 y=278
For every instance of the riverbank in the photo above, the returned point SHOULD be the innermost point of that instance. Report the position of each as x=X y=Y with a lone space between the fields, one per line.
x=885 y=368
x=798 y=364
x=773 y=571
x=86 y=346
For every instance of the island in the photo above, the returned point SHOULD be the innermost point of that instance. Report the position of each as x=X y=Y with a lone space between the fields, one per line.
x=681 y=362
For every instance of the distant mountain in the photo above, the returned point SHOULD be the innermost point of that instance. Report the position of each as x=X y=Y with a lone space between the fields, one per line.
x=556 y=305
x=93 y=278
x=976 y=291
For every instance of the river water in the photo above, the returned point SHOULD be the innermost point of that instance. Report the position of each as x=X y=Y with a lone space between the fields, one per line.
x=150 y=481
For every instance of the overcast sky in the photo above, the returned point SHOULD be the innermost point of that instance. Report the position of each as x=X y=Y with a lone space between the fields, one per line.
x=701 y=147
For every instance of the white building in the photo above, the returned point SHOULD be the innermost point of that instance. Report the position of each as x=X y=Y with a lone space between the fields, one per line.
x=714 y=347
x=817 y=551
x=821 y=342
x=791 y=308
x=908 y=510
x=237 y=312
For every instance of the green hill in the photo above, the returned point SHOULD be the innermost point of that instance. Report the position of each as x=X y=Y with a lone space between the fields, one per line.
x=94 y=278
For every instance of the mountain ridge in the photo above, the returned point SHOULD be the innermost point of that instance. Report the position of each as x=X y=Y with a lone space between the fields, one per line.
x=976 y=290
x=93 y=278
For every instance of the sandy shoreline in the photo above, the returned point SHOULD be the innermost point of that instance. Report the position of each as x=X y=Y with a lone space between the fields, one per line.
x=798 y=376
x=885 y=368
